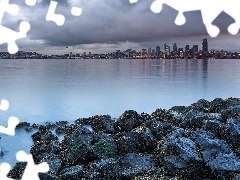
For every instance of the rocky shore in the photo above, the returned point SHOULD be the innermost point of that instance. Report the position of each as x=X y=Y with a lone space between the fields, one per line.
x=200 y=141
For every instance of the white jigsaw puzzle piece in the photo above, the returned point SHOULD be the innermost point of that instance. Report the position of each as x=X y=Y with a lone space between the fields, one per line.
x=31 y=2
x=31 y=171
x=209 y=10
x=12 y=123
x=59 y=19
x=4 y=105
x=4 y=169
x=76 y=11
x=7 y=35
x=133 y=1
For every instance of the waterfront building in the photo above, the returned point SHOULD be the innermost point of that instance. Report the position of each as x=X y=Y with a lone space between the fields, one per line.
x=205 y=46
x=194 y=51
x=149 y=51
x=174 y=49
x=158 y=51
x=166 y=50
x=180 y=52
x=187 y=51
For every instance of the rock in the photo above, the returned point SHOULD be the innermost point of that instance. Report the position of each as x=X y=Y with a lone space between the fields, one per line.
x=105 y=169
x=126 y=142
x=216 y=153
x=61 y=127
x=71 y=173
x=135 y=164
x=213 y=126
x=104 y=149
x=98 y=123
x=17 y=171
x=233 y=132
x=201 y=105
x=44 y=134
x=160 y=129
x=77 y=146
x=127 y=121
x=146 y=142
x=24 y=125
x=47 y=176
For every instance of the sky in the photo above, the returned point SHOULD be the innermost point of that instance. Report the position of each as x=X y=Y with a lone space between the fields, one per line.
x=107 y=25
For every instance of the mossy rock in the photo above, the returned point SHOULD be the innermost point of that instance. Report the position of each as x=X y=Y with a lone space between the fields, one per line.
x=104 y=149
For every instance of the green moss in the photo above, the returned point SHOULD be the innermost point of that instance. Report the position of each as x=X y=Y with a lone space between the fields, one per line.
x=104 y=149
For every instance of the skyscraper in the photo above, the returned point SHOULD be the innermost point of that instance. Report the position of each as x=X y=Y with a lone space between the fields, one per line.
x=166 y=50
x=174 y=49
x=205 y=46
x=186 y=50
x=158 y=50
x=194 y=50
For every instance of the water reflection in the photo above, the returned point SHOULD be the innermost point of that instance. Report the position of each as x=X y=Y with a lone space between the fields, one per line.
x=51 y=90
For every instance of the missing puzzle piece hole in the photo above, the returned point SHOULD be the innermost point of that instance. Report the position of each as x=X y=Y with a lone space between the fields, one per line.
x=180 y=19
x=13 y=10
x=133 y=1
x=4 y=169
x=233 y=28
x=76 y=11
x=24 y=27
x=31 y=2
x=4 y=105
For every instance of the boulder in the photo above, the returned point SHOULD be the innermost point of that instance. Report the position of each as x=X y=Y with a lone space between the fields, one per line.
x=71 y=173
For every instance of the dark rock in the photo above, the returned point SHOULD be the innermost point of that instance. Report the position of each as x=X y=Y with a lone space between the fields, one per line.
x=213 y=126
x=146 y=142
x=135 y=164
x=104 y=149
x=232 y=133
x=105 y=169
x=160 y=129
x=201 y=105
x=77 y=146
x=216 y=153
x=17 y=171
x=71 y=173
x=44 y=134
x=126 y=142
x=127 y=121
x=47 y=176
x=98 y=123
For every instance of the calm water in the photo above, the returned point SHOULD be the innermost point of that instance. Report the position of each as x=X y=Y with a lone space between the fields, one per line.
x=53 y=90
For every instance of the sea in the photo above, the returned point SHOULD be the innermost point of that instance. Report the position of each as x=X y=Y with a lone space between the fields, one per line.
x=50 y=90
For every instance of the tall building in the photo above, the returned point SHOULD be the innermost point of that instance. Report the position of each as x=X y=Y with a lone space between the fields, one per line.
x=149 y=51
x=194 y=50
x=187 y=51
x=158 y=50
x=174 y=49
x=205 y=46
x=166 y=50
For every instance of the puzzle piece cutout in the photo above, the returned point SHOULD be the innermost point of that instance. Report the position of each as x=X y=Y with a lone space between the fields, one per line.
x=31 y=170
x=7 y=35
x=12 y=121
x=4 y=105
x=59 y=19
x=209 y=10
x=4 y=169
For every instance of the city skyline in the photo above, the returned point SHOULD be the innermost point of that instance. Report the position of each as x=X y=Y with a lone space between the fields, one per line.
x=111 y=25
x=187 y=52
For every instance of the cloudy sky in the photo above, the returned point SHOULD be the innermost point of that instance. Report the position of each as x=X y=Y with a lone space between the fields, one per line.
x=107 y=25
